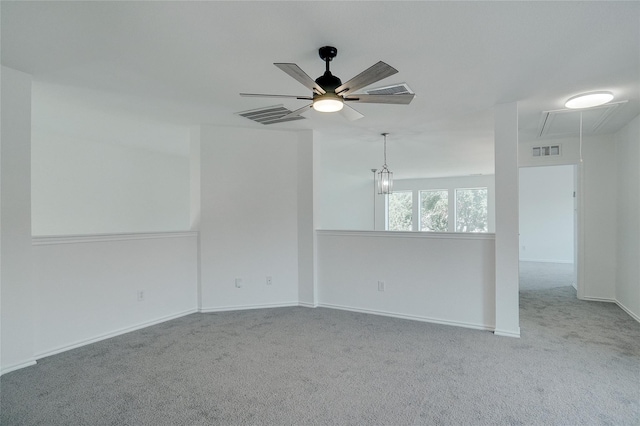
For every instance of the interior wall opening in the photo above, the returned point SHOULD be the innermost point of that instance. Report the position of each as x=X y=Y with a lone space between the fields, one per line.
x=548 y=227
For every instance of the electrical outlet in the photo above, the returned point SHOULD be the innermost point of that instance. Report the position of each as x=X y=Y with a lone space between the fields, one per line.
x=140 y=295
x=238 y=282
x=380 y=285
x=269 y=281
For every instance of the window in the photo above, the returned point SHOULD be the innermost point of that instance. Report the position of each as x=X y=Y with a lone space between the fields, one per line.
x=448 y=209
x=471 y=210
x=400 y=211
x=434 y=210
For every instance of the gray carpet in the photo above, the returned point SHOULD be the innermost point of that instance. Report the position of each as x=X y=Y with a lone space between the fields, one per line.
x=577 y=363
x=544 y=275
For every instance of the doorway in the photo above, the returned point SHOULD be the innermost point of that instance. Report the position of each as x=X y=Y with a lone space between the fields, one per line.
x=548 y=211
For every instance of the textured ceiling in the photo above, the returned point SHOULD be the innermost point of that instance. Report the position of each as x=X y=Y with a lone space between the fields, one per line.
x=186 y=62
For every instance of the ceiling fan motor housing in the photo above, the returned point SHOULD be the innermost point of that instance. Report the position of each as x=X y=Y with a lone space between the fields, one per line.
x=328 y=81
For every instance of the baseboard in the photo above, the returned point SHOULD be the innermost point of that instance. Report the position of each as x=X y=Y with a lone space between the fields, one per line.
x=546 y=261
x=606 y=300
x=17 y=366
x=248 y=307
x=506 y=333
x=307 y=305
x=597 y=299
x=95 y=238
x=112 y=334
x=627 y=310
x=408 y=317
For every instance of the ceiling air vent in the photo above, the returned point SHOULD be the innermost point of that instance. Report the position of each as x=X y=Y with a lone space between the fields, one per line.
x=269 y=115
x=545 y=151
x=396 y=89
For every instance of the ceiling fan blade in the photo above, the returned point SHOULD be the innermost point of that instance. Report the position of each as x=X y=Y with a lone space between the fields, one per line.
x=296 y=112
x=381 y=99
x=260 y=95
x=370 y=75
x=296 y=72
x=350 y=113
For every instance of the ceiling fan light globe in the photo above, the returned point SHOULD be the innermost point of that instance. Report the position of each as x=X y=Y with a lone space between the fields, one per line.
x=589 y=100
x=328 y=104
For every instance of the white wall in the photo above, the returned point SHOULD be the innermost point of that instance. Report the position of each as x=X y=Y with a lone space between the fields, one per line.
x=628 y=219
x=421 y=271
x=16 y=294
x=96 y=171
x=306 y=234
x=250 y=215
x=87 y=287
x=599 y=179
x=69 y=291
x=344 y=188
x=354 y=196
x=547 y=214
x=506 y=205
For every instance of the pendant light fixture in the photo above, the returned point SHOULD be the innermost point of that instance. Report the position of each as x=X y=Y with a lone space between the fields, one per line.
x=385 y=177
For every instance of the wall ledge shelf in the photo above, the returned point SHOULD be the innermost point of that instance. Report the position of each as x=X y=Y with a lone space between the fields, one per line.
x=76 y=239
x=410 y=234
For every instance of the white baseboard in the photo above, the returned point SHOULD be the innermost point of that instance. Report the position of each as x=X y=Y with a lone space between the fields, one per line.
x=546 y=261
x=627 y=310
x=607 y=300
x=112 y=334
x=18 y=366
x=308 y=305
x=597 y=299
x=408 y=317
x=506 y=333
x=247 y=307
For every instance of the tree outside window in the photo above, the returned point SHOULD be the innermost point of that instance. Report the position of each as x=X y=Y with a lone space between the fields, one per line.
x=400 y=211
x=471 y=210
x=434 y=210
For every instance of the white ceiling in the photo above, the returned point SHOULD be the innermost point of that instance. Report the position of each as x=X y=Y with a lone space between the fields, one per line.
x=186 y=63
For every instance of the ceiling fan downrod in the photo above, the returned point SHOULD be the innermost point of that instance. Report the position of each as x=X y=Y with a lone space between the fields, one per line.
x=328 y=81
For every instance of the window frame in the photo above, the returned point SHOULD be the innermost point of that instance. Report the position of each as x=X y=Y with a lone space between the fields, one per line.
x=455 y=202
x=445 y=190
x=416 y=219
x=386 y=204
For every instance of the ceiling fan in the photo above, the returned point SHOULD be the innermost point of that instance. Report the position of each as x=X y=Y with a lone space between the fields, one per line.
x=331 y=95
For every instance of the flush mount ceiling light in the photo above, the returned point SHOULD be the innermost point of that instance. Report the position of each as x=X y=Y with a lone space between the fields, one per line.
x=589 y=100
x=329 y=102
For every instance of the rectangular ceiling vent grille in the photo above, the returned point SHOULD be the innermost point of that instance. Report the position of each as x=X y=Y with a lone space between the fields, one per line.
x=396 y=89
x=546 y=151
x=269 y=115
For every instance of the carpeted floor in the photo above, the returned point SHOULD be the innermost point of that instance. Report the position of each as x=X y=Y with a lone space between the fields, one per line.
x=577 y=363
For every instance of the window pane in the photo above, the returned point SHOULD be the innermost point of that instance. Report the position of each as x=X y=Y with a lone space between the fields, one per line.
x=471 y=210
x=400 y=211
x=434 y=210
